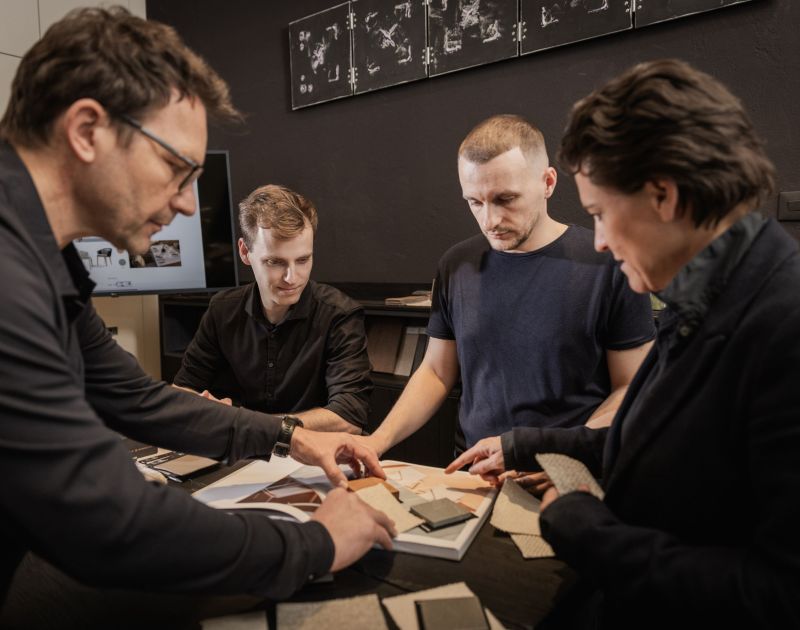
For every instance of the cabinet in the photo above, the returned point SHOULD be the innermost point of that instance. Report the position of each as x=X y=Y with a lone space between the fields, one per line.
x=433 y=444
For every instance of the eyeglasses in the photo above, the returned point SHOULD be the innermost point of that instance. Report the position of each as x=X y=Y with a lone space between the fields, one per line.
x=195 y=169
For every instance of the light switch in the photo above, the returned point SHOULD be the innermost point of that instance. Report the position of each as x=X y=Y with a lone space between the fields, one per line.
x=789 y=206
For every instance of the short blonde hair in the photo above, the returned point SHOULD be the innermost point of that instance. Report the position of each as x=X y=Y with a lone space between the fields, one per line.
x=277 y=208
x=498 y=134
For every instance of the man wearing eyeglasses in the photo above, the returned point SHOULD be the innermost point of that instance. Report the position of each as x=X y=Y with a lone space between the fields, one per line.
x=105 y=131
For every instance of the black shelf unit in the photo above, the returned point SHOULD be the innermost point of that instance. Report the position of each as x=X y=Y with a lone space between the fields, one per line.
x=433 y=444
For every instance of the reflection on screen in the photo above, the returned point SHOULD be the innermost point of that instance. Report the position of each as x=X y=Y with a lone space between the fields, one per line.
x=191 y=254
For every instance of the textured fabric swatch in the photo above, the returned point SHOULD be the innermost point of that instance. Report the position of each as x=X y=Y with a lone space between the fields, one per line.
x=404 y=613
x=382 y=500
x=354 y=613
x=568 y=474
x=532 y=546
x=246 y=621
x=516 y=511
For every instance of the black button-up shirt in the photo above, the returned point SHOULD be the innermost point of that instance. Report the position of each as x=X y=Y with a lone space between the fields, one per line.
x=71 y=492
x=316 y=357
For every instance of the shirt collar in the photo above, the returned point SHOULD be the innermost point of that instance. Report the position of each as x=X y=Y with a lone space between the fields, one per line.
x=69 y=275
x=300 y=310
x=702 y=279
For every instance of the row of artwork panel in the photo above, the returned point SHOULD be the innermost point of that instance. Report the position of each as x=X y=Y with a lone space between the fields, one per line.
x=365 y=45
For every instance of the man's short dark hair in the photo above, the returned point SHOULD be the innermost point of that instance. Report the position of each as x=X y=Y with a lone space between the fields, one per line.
x=498 y=134
x=129 y=65
x=665 y=119
x=275 y=208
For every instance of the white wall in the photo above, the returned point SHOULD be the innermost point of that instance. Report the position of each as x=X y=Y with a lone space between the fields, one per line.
x=22 y=22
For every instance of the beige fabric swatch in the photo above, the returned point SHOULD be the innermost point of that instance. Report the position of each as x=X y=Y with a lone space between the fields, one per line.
x=532 y=546
x=382 y=500
x=567 y=474
x=404 y=613
x=354 y=613
x=516 y=511
x=245 y=621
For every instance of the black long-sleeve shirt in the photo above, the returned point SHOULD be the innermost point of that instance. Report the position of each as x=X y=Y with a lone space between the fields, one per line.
x=316 y=357
x=70 y=490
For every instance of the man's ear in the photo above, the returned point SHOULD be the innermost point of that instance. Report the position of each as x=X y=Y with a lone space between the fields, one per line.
x=550 y=179
x=664 y=198
x=244 y=253
x=86 y=129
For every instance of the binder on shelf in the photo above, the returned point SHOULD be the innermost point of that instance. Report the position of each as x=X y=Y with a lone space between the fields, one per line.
x=383 y=342
x=422 y=346
x=408 y=350
x=419 y=298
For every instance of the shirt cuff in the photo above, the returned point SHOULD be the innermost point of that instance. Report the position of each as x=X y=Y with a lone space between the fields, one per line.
x=319 y=539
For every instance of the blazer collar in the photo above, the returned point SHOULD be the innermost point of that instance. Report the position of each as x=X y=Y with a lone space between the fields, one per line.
x=771 y=248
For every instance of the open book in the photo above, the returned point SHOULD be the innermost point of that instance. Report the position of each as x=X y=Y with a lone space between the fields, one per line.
x=291 y=490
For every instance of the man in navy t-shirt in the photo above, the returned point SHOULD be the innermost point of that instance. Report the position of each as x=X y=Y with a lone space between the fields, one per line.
x=542 y=330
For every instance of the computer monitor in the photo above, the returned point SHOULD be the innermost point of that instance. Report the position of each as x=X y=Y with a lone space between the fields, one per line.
x=192 y=254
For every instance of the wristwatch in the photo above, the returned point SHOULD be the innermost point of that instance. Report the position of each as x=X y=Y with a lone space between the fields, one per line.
x=284 y=443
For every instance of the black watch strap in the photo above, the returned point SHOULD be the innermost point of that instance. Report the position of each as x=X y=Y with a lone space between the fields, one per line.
x=284 y=443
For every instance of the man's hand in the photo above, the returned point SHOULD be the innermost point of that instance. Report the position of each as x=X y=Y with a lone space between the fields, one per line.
x=326 y=450
x=353 y=525
x=225 y=401
x=374 y=442
x=205 y=394
x=551 y=494
x=484 y=459
x=537 y=482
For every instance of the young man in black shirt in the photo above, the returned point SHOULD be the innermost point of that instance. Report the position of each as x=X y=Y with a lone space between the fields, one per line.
x=283 y=344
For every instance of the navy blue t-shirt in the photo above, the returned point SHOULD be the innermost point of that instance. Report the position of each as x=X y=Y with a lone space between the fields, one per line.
x=532 y=330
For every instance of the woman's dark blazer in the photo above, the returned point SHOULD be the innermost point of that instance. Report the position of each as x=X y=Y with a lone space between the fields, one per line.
x=701 y=519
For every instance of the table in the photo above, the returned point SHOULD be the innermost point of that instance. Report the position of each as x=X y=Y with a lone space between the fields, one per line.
x=519 y=592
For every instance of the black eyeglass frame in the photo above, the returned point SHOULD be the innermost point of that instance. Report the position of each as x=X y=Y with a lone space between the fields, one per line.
x=195 y=169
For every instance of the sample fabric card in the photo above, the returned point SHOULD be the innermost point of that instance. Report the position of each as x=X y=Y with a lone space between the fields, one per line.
x=463 y=613
x=402 y=608
x=381 y=499
x=516 y=511
x=532 y=546
x=404 y=475
x=354 y=613
x=185 y=465
x=365 y=482
x=441 y=513
x=568 y=474
x=246 y=621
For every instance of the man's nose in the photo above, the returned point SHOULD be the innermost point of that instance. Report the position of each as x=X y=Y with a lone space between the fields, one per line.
x=491 y=217
x=184 y=201
x=288 y=275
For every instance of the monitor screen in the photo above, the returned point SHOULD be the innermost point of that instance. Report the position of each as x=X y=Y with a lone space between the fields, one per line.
x=196 y=253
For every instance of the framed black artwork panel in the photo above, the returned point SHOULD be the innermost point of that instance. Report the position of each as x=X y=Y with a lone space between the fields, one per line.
x=550 y=23
x=388 y=42
x=653 y=11
x=466 y=33
x=319 y=54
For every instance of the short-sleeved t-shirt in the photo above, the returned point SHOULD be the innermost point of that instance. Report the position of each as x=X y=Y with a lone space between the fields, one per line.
x=532 y=330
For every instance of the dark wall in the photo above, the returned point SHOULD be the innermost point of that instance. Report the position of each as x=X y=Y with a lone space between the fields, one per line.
x=381 y=167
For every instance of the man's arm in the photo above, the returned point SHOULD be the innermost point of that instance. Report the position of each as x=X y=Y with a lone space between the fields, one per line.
x=622 y=366
x=322 y=419
x=203 y=357
x=347 y=378
x=423 y=395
